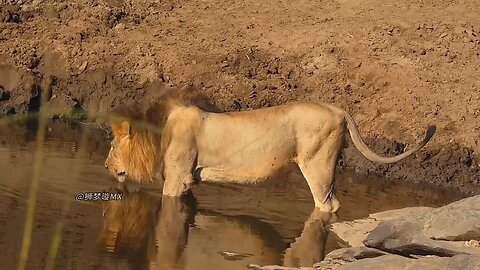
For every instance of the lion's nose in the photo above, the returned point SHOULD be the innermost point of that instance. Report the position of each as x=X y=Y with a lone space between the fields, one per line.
x=106 y=165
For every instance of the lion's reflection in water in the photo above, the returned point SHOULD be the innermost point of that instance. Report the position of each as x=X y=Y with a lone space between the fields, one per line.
x=169 y=233
x=149 y=232
x=128 y=227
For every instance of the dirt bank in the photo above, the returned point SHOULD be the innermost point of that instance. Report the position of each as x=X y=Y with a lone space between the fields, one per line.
x=396 y=66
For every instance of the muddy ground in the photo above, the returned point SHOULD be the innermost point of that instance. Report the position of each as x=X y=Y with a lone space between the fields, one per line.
x=396 y=66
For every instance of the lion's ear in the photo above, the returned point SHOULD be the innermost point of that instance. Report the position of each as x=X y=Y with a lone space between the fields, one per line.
x=122 y=128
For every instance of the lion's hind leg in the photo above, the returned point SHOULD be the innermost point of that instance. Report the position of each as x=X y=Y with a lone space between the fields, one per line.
x=319 y=171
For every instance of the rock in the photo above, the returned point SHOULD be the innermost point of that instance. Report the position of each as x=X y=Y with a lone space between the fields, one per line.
x=119 y=27
x=387 y=238
x=399 y=213
x=10 y=14
x=82 y=67
x=347 y=255
x=393 y=262
x=277 y=267
x=473 y=243
x=458 y=221
x=354 y=253
x=464 y=262
x=354 y=232
x=370 y=258
x=411 y=232
x=406 y=236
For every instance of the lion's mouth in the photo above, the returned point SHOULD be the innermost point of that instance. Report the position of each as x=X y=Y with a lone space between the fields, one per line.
x=121 y=176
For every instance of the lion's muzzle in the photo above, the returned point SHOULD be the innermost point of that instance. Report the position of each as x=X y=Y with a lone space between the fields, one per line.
x=121 y=176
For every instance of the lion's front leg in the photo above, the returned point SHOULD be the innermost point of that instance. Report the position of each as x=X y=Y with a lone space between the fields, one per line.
x=178 y=169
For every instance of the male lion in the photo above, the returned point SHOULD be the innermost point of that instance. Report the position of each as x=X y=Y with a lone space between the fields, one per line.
x=184 y=144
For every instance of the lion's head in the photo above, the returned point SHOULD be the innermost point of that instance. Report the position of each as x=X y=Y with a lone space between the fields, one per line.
x=133 y=150
x=136 y=150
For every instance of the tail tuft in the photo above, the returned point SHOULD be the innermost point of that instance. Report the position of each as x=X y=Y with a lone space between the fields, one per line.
x=429 y=133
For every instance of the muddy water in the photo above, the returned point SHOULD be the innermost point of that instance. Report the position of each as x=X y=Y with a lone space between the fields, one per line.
x=227 y=227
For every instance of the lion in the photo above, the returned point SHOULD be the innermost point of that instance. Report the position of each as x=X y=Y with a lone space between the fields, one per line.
x=176 y=140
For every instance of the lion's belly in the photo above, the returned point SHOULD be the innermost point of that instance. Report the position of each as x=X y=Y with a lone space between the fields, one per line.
x=244 y=149
x=237 y=175
x=252 y=163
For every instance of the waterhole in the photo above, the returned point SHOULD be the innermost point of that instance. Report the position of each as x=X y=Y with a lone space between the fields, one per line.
x=109 y=226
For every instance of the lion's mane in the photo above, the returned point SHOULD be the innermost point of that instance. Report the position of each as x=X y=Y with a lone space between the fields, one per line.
x=145 y=150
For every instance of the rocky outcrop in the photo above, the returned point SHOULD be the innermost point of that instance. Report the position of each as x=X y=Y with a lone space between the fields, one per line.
x=411 y=238
x=459 y=221
x=394 y=262
x=353 y=233
x=419 y=233
x=417 y=237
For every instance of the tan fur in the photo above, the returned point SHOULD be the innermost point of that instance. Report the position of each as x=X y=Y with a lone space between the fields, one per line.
x=241 y=147
x=129 y=223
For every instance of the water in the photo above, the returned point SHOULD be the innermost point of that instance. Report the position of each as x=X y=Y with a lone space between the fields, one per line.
x=228 y=227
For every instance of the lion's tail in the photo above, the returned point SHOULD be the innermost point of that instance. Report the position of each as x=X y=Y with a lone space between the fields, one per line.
x=369 y=154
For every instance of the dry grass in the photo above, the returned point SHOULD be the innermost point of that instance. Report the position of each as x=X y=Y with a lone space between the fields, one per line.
x=32 y=196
